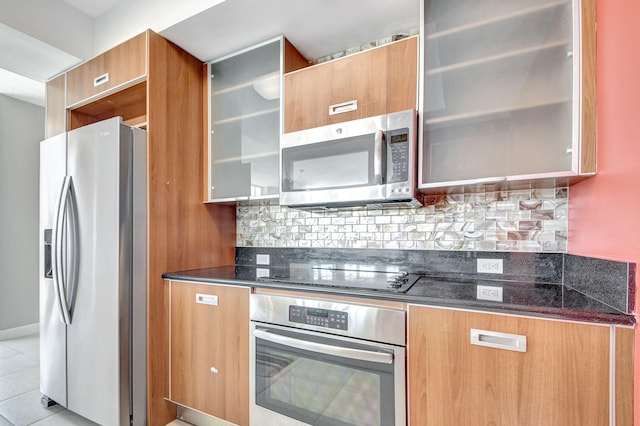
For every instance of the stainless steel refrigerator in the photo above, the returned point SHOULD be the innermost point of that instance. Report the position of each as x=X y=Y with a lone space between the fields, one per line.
x=93 y=272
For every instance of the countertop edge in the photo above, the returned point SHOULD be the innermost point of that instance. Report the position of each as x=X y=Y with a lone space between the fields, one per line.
x=566 y=314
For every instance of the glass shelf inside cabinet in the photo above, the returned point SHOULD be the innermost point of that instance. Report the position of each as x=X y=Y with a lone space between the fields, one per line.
x=498 y=89
x=245 y=124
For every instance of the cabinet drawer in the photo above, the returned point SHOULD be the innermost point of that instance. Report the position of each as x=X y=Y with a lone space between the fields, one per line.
x=480 y=368
x=366 y=84
x=117 y=66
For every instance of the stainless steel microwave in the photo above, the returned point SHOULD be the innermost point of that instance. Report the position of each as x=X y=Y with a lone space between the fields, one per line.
x=360 y=162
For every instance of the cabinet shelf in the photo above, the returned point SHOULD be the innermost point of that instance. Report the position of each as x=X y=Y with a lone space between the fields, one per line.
x=495 y=20
x=245 y=158
x=499 y=57
x=484 y=114
x=262 y=79
x=246 y=116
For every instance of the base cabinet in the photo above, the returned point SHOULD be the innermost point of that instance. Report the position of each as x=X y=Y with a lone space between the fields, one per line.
x=209 y=349
x=471 y=368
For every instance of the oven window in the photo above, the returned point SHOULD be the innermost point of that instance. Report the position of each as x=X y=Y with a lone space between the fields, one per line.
x=343 y=163
x=322 y=389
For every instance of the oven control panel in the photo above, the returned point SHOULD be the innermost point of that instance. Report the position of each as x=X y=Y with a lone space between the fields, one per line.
x=319 y=317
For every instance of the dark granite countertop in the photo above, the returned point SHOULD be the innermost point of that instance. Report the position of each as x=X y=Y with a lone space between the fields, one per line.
x=524 y=298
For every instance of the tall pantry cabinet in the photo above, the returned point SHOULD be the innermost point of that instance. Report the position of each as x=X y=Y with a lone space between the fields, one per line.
x=157 y=86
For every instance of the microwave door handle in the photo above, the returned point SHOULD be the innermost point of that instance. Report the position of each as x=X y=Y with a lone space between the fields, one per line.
x=350 y=353
x=377 y=156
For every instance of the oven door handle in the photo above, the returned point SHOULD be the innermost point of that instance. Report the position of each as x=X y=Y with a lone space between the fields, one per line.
x=357 y=354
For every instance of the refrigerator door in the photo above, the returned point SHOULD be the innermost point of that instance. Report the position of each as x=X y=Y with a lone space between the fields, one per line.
x=98 y=338
x=53 y=367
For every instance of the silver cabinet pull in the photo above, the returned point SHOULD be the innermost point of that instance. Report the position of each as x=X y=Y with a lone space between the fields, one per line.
x=101 y=79
x=494 y=339
x=214 y=370
x=207 y=299
x=343 y=107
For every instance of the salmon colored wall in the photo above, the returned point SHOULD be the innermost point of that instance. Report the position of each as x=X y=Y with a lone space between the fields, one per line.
x=604 y=211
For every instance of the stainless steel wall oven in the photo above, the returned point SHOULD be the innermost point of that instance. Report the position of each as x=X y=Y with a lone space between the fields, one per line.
x=316 y=362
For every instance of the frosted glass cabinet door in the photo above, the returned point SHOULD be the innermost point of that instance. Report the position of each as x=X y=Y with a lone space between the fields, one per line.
x=498 y=90
x=245 y=123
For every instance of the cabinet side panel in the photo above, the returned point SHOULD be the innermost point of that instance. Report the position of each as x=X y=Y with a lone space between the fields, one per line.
x=588 y=141
x=624 y=376
x=55 y=106
x=293 y=60
x=183 y=232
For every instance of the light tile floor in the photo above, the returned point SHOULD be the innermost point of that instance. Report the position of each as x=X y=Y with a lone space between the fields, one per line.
x=20 y=388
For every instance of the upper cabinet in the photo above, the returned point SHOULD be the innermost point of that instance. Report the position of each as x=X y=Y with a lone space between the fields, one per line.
x=113 y=83
x=116 y=67
x=369 y=83
x=507 y=91
x=245 y=121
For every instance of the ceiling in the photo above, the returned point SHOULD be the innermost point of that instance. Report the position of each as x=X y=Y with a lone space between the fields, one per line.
x=208 y=29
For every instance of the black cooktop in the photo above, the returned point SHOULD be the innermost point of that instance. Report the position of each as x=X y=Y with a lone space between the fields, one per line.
x=341 y=276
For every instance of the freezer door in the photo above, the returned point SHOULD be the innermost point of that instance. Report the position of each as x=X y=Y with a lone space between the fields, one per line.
x=53 y=367
x=98 y=338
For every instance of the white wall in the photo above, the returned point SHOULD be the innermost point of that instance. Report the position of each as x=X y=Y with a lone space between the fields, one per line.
x=21 y=130
x=130 y=18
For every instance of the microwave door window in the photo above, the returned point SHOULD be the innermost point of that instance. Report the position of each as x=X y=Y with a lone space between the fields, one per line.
x=325 y=165
x=332 y=171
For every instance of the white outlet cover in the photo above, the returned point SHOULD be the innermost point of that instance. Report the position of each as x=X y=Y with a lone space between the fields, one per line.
x=488 y=292
x=489 y=266
x=262 y=259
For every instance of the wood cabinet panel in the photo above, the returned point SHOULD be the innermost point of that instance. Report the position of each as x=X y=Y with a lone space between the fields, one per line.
x=183 y=233
x=210 y=350
x=624 y=376
x=56 y=122
x=123 y=63
x=381 y=80
x=562 y=379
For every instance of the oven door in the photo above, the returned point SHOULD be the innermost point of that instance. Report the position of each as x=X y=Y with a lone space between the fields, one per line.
x=300 y=377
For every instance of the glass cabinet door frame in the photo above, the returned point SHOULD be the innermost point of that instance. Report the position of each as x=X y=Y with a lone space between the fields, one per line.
x=210 y=149
x=582 y=146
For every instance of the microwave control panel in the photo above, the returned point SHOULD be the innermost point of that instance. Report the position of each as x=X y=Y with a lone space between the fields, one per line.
x=398 y=143
x=319 y=317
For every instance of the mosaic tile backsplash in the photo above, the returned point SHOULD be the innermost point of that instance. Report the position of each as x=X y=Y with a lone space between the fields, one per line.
x=532 y=220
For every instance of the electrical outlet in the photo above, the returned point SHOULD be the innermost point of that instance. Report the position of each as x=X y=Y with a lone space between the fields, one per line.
x=487 y=292
x=262 y=259
x=489 y=266
x=262 y=272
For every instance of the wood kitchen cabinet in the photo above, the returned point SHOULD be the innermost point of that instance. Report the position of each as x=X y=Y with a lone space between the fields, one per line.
x=209 y=349
x=245 y=120
x=507 y=93
x=118 y=66
x=156 y=85
x=562 y=376
x=381 y=80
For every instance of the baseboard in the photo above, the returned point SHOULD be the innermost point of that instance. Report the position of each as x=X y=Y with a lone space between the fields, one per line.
x=25 y=330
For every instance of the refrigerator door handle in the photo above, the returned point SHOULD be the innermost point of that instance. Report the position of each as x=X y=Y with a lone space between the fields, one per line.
x=58 y=261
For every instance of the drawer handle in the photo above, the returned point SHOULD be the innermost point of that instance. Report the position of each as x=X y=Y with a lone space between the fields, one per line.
x=101 y=79
x=343 y=107
x=493 y=339
x=207 y=299
x=214 y=370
